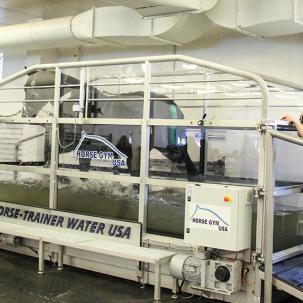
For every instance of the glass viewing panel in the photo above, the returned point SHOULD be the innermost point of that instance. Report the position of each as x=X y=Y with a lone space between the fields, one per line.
x=165 y=211
x=107 y=148
x=116 y=91
x=196 y=90
x=29 y=96
x=25 y=144
x=288 y=219
x=196 y=154
x=24 y=188
x=99 y=198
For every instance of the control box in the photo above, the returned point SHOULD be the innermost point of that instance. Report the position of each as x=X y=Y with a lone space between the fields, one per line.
x=218 y=216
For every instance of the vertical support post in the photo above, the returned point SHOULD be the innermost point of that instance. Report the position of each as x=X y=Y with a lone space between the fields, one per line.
x=82 y=90
x=157 y=287
x=88 y=92
x=60 y=258
x=260 y=216
x=41 y=257
x=261 y=184
x=145 y=144
x=269 y=218
x=54 y=143
x=175 y=289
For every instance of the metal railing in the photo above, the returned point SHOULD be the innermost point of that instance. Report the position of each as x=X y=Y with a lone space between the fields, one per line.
x=265 y=177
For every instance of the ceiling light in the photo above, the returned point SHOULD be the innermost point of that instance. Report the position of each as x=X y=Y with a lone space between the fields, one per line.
x=189 y=66
x=170 y=86
x=205 y=91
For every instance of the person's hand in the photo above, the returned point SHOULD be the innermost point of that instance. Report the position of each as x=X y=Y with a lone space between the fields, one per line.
x=289 y=119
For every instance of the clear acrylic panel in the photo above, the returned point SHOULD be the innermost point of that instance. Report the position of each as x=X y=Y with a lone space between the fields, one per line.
x=25 y=144
x=196 y=154
x=107 y=148
x=99 y=198
x=165 y=211
x=24 y=188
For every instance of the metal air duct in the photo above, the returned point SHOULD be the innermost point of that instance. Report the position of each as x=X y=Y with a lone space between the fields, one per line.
x=119 y=26
x=266 y=18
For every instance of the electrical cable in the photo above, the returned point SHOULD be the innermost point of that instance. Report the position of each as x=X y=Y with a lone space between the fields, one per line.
x=180 y=291
x=75 y=135
x=10 y=115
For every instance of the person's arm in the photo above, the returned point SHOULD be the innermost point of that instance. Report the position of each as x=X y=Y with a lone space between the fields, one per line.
x=296 y=122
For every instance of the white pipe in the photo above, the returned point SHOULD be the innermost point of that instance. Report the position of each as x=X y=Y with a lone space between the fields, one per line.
x=104 y=26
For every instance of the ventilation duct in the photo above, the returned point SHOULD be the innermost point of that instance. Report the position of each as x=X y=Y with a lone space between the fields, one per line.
x=116 y=25
x=124 y=25
x=148 y=8
x=267 y=18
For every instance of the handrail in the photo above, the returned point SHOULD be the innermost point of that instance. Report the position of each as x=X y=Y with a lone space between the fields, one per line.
x=284 y=137
x=138 y=60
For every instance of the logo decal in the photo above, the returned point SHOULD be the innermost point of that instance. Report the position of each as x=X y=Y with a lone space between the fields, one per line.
x=102 y=155
x=210 y=217
x=210 y=211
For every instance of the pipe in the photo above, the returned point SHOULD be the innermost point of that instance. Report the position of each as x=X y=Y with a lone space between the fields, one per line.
x=284 y=137
x=104 y=26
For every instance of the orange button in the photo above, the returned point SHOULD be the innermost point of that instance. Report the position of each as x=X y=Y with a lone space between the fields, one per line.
x=227 y=199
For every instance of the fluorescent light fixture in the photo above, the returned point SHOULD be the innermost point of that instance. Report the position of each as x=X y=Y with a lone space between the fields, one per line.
x=207 y=72
x=205 y=91
x=189 y=66
x=240 y=83
x=224 y=86
x=171 y=86
x=158 y=90
x=240 y=94
x=133 y=80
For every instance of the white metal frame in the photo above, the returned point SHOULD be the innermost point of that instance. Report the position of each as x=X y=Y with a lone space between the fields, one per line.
x=265 y=178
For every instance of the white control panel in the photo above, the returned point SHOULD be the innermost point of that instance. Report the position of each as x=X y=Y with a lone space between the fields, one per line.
x=218 y=216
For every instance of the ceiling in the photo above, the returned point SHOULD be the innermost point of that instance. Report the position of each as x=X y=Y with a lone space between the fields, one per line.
x=19 y=11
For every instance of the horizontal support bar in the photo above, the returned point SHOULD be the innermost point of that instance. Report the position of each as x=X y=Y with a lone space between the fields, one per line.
x=26 y=120
x=101 y=121
x=287 y=190
x=288 y=138
x=287 y=254
x=25 y=169
x=231 y=124
x=204 y=99
x=61 y=100
x=168 y=183
x=116 y=84
x=27 y=87
x=98 y=176
x=292 y=290
x=199 y=81
x=172 y=122
x=27 y=101
x=114 y=99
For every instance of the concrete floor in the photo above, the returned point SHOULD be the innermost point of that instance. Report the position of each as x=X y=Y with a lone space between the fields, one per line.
x=20 y=283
